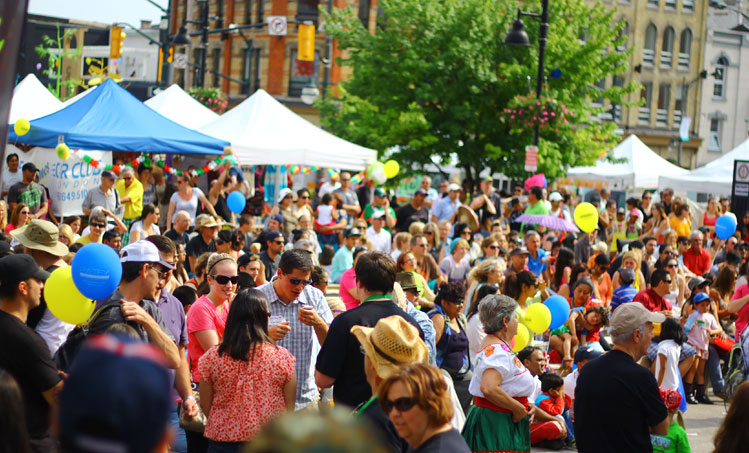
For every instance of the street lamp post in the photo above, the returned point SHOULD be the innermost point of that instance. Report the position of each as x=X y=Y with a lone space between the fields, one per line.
x=518 y=37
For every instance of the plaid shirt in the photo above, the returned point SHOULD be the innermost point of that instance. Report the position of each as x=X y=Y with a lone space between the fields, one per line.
x=301 y=341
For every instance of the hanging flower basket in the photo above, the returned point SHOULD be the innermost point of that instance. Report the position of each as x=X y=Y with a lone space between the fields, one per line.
x=527 y=112
x=212 y=98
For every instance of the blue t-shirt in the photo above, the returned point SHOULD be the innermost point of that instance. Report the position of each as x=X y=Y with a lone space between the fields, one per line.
x=537 y=266
x=622 y=295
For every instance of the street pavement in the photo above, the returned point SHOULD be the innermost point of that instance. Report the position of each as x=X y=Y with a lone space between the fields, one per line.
x=701 y=421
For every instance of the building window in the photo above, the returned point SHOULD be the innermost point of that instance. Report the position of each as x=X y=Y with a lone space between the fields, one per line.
x=714 y=141
x=301 y=73
x=653 y=3
x=364 y=8
x=719 y=85
x=308 y=10
x=216 y=60
x=687 y=5
x=685 y=48
x=667 y=48
x=648 y=53
x=670 y=4
x=646 y=94
x=678 y=106
x=664 y=98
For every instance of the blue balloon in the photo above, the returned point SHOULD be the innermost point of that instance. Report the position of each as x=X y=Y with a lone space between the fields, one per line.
x=560 y=311
x=236 y=202
x=725 y=226
x=97 y=271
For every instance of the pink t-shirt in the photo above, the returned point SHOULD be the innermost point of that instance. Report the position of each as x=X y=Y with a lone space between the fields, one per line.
x=698 y=335
x=743 y=319
x=203 y=315
x=348 y=281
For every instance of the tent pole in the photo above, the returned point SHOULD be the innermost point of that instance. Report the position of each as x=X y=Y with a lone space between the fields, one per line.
x=277 y=187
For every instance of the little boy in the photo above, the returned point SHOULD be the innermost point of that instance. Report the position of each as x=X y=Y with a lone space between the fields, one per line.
x=626 y=292
x=554 y=401
x=676 y=440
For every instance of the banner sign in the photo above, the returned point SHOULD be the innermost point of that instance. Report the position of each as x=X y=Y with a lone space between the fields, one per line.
x=68 y=180
x=740 y=188
x=531 y=158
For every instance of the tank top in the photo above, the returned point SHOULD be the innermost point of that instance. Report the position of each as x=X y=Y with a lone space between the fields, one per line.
x=222 y=208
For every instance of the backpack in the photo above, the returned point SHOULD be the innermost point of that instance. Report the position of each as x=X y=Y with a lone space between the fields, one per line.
x=66 y=353
x=736 y=370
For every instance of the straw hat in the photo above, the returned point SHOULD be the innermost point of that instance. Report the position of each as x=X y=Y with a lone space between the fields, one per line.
x=41 y=235
x=392 y=343
x=467 y=215
x=205 y=221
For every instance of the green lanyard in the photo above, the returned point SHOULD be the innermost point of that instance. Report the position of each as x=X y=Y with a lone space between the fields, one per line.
x=378 y=297
x=366 y=405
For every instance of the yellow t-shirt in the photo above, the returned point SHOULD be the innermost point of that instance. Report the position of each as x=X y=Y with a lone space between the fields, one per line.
x=681 y=228
x=134 y=207
x=85 y=240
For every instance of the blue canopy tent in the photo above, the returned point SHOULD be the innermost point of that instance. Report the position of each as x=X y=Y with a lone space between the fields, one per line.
x=110 y=118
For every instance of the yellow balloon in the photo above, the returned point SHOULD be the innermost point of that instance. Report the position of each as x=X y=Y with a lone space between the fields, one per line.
x=63 y=298
x=538 y=318
x=521 y=339
x=21 y=127
x=63 y=151
x=391 y=169
x=586 y=217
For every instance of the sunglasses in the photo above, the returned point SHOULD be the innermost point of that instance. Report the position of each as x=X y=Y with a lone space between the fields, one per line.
x=494 y=247
x=97 y=225
x=306 y=197
x=280 y=242
x=402 y=404
x=465 y=232
x=667 y=281
x=671 y=266
x=428 y=233
x=224 y=279
x=299 y=281
x=345 y=180
x=457 y=303
x=24 y=212
x=162 y=274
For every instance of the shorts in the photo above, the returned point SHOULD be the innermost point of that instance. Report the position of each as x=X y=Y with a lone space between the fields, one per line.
x=687 y=350
x=560 y=330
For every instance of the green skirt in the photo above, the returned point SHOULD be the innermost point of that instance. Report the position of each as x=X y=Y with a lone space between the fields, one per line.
x=486 y=430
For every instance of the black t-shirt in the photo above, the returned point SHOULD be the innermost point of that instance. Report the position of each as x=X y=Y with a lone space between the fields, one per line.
x=271 y=266
x=176 y=237
x=407 y=214
x=197 y=247
x=340 y=356
x=222 y=208
x=388 y=434
x=25 y=356
x=614 y=382
x=449 y=441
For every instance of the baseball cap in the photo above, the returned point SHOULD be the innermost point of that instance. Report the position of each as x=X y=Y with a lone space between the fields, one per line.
x=555 y=196
x=620 y=211
x=143 y=251
x=278 y=218
x=487 y=178
x=29 y=166
x=700 y=297
x=420 y=191
x=519 y=251
x=695 y=282
x=284 y=193
x=586 y=353
x=273 y=235
x=116 y=398
x=627 y=317
x=108 y=174
x=378 y=214
x=5 y=249
x=352 y=232
x=17 y=268
x=452 y=187
x=379 y=193
x=626 y=275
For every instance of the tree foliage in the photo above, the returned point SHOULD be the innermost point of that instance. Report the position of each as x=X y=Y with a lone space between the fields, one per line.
x=436 y=78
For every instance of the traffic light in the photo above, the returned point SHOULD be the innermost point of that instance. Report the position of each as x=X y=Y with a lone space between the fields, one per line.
x=116 y=41
x=306 y=42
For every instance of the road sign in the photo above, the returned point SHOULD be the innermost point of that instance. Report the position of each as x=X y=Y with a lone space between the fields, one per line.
x=277 y=25
x=531 y=158
x=180 y=61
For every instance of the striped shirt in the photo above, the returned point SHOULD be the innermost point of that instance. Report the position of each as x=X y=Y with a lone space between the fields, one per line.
x=622 y=295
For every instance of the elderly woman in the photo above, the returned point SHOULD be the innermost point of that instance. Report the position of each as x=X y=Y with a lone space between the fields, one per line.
x=451 y=338
x=457 y=265
x=488 y=272
x=418 y=403
x=501 y=385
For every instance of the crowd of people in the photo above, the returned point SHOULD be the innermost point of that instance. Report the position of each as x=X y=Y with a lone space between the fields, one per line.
x=406 y=315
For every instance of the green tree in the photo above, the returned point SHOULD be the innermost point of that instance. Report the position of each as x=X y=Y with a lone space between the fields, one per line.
x=437 y=80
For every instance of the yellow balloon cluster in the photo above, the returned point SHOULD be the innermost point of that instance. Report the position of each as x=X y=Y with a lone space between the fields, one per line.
x=538 y=318
x=63 y=151
x=521 y=339
x=63 y=298
x=21 y=127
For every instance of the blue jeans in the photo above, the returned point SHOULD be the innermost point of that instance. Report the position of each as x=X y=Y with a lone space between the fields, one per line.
x=224 y=447
x=713 y=368
x=179 y=444
x=569 y=425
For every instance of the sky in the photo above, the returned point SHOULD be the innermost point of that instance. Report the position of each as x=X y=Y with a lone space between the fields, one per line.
x=104 y=11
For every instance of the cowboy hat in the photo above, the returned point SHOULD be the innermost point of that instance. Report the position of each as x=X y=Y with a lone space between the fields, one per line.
x=390 y=344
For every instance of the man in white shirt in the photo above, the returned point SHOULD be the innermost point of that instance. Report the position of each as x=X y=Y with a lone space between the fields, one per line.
x=380 y=237
x=582 y=356
x=432 y=195
x=11 y=174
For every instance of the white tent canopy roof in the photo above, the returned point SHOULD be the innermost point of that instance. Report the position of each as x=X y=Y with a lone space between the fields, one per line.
x=175 y=104
x=262 y=131
x=32 y=100
x=640 y=170
x=714 y=177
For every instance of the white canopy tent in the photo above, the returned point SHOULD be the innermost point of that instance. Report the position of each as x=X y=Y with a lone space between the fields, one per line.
x=640 y=170
x=262 y=131
x=714 y=177
x=181 y=108
x=32 y=100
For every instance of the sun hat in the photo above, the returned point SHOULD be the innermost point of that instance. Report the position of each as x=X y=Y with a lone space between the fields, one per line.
x=205 y=221
x=390 y=344
x=406 y=280
x=41 y=235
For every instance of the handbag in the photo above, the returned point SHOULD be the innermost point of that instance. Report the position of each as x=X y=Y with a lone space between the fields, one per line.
x=195 y=424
